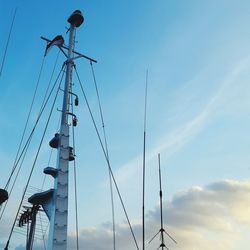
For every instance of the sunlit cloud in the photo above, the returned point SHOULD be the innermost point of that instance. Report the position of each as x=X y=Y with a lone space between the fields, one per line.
x=209 y=217
x=198 y=218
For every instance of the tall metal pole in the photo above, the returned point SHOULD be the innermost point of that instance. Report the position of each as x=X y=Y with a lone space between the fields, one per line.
x=144 y=164
x=31 y=230
x=161 y=230
x=59 y=207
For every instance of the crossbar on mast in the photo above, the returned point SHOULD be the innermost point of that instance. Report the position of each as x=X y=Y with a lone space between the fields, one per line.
x=75 y=52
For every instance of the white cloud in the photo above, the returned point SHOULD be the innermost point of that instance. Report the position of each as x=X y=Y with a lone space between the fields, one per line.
x=202 y=218
x=207 y=218
x=199 y=218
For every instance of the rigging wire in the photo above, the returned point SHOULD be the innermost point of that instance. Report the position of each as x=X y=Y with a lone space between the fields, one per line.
x=25 y=148
x=44 y=231
x=38 y=118
x=31 y=107
x=51 y=76
x=144 y=163
x=22 y=138
x=75 y=181
x=49 y=160
x=44 y=178
x=14 y=182
x=8 y=40
x=34 y=163
x=26 y=123
x=105 y=155
x=51 y=151
x=46 y=92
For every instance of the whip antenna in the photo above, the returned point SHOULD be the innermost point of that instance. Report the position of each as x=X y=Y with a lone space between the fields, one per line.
x=144 y=164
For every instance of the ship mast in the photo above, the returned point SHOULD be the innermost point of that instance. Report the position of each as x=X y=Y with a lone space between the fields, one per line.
x=59 y=204
x=55 y=201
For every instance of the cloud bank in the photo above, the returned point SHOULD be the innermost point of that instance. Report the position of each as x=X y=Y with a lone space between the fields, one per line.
x=212 y=217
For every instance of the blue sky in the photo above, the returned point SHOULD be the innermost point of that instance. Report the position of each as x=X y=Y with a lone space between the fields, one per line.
x=198 y=57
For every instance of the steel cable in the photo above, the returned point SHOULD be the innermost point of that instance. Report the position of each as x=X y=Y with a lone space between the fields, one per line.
x=105 y=155
x=34 y=163
x=25 y=148
x=107 y=152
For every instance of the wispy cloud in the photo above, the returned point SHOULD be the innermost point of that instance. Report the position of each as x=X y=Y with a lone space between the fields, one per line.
x=170 y=142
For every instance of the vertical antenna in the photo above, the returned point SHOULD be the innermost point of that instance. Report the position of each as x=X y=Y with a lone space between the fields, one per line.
x=162 y=230
x=144 y=164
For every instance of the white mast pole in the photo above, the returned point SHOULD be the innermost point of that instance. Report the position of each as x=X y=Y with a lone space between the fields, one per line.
x=59 y=209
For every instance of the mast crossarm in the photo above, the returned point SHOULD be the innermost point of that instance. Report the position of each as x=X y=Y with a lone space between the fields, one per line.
x=79 y=55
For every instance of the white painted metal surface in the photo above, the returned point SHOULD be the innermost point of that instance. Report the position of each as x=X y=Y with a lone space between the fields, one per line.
x=59 y=205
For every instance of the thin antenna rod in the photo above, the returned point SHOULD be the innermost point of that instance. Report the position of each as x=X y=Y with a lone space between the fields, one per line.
x=8 y=40
x=144 y=164
x=161 y=230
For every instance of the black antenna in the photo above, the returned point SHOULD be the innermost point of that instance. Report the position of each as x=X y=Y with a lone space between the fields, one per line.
x=144 y=164
x=162 y=230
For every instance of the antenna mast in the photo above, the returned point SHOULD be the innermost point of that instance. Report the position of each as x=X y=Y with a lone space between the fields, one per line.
x=59 y=207
x=55 y=201
x=144 y=164
x=162 y=230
